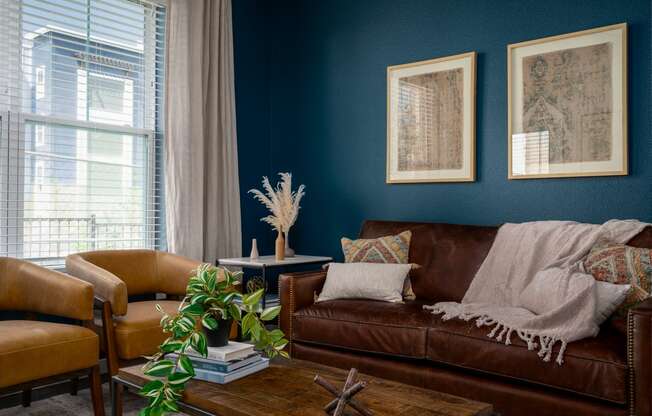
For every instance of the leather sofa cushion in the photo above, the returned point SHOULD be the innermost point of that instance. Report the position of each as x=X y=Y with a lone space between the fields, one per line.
x=379 y=327
x=594 y=367
x=139 y=332
x=31 y=350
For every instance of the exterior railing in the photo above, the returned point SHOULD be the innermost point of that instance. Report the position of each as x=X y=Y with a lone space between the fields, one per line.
x=51 y=238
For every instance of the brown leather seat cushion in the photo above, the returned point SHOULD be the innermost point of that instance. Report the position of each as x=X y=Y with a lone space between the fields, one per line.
x=139 y=332
x=31 y=350
x=380 y=327
x=594 y=366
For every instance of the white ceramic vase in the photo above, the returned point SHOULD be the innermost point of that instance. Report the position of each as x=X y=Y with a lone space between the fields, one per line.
x=254 y=249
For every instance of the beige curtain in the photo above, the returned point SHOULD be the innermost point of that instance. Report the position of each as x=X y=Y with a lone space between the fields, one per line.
x=201 y=171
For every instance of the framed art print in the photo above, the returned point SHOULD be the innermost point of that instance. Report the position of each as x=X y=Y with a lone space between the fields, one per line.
x=567 y=112
x=431 y=120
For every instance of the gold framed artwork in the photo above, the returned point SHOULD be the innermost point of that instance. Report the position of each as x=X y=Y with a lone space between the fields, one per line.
x=431 y=120
x=567 y=112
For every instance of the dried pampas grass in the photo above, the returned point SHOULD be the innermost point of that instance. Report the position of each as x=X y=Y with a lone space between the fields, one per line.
x=282 y=202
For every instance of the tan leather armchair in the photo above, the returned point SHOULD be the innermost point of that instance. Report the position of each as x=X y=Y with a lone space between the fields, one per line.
x=132 y=329
x=34 y=353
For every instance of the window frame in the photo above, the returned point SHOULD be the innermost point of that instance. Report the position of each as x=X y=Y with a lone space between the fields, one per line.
x=13 y=132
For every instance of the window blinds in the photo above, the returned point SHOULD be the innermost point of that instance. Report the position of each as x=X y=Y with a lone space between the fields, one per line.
x=81 y=126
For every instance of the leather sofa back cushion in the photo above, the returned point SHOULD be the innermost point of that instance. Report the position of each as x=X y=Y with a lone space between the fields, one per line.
x=449 y=255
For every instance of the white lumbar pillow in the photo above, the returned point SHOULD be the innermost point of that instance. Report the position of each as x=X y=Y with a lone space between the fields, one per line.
x=549 y=290
x=610 y=297
x=377 y=281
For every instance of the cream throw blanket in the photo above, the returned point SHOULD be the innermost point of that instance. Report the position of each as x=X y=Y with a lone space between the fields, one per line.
x=521 y=253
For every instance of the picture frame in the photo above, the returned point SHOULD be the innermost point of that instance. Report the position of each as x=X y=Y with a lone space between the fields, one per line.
x=567 y=105
x=431 y=120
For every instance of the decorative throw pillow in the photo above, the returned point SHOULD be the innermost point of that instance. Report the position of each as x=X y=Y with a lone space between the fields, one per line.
x=622 y=264
x=387 y=249
x=376 y=281
x=550 y=289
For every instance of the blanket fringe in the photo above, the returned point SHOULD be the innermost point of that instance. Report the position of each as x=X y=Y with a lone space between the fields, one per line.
x=503 y=333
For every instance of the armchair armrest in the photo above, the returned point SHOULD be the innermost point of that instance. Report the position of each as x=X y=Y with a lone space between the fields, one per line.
x=108 y=286
x=174 y=271
x=296 y=291
x=639 y=340
x=31 y=288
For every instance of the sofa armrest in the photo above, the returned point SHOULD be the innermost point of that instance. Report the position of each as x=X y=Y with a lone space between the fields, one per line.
x=639 y=341
x=31 y=288
x=296 y=291
x=108 y=286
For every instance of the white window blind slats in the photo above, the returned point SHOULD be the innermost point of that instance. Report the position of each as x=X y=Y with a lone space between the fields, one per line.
x=81 y=105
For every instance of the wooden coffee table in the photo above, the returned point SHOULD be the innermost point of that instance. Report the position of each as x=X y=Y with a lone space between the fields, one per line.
x=286 y=388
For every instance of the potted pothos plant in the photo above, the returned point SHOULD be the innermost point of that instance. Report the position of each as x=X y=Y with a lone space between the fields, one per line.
x=204 y=318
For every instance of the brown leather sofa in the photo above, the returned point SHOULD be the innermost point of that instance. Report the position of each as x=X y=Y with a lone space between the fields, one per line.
x=36 y=353
x=131 y=329
x=610 y=374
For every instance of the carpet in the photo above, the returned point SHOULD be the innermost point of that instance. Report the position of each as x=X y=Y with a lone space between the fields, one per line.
x=80 y=405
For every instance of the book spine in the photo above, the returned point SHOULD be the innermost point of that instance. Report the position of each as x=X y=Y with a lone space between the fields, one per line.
x=222 y=368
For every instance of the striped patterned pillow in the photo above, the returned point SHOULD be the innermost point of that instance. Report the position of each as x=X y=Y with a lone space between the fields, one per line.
x=388 y=249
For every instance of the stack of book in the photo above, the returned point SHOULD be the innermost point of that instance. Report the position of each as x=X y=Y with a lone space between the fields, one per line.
x=226 y=364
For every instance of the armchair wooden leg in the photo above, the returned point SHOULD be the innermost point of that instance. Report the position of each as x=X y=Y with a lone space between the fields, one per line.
x=109 y=337
x=26 y=397
x=96 y=391
x=74 y=386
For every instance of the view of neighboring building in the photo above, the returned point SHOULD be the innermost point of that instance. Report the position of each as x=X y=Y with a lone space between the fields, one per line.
x=86 y=133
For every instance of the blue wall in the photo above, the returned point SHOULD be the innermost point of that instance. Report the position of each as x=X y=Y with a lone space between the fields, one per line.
x=326 y=112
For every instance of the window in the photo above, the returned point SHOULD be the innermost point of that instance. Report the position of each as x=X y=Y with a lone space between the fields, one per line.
x=39 y=135
x=40 y=82
x=81 y=128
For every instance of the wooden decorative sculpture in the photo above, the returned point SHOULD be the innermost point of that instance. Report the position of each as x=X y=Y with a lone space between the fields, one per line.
x=345 y=397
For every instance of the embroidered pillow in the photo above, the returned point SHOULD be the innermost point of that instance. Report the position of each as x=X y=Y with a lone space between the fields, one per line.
x=622 y=264
x=387 y=249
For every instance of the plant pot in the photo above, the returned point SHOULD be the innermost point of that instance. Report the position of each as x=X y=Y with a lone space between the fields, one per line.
x=219 y=337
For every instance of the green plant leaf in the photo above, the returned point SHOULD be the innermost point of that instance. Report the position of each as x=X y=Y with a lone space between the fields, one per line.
x=176 y=379
x=252 y=299
x=152 y=386
x=270 y=313
x=170 y=405
x=195 y=309
x=186 y=364
x=247 y=322
x=171 y=345
x=276 y=334
x=160 y=369
x=198 y=343
x=186 y=323
x=235 y=312
x=209 y=322
x=199 y=299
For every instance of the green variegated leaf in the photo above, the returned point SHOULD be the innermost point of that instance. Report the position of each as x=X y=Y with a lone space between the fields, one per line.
x=160 y=369
x=252 y=299
x=199 y=299
x=177 y=379
x=194 y=309
x=186 y=365
x=151 y=386
x=209 y=322
x=270 y=313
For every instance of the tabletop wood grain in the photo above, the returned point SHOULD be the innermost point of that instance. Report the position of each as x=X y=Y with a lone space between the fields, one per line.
x=286 y=388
